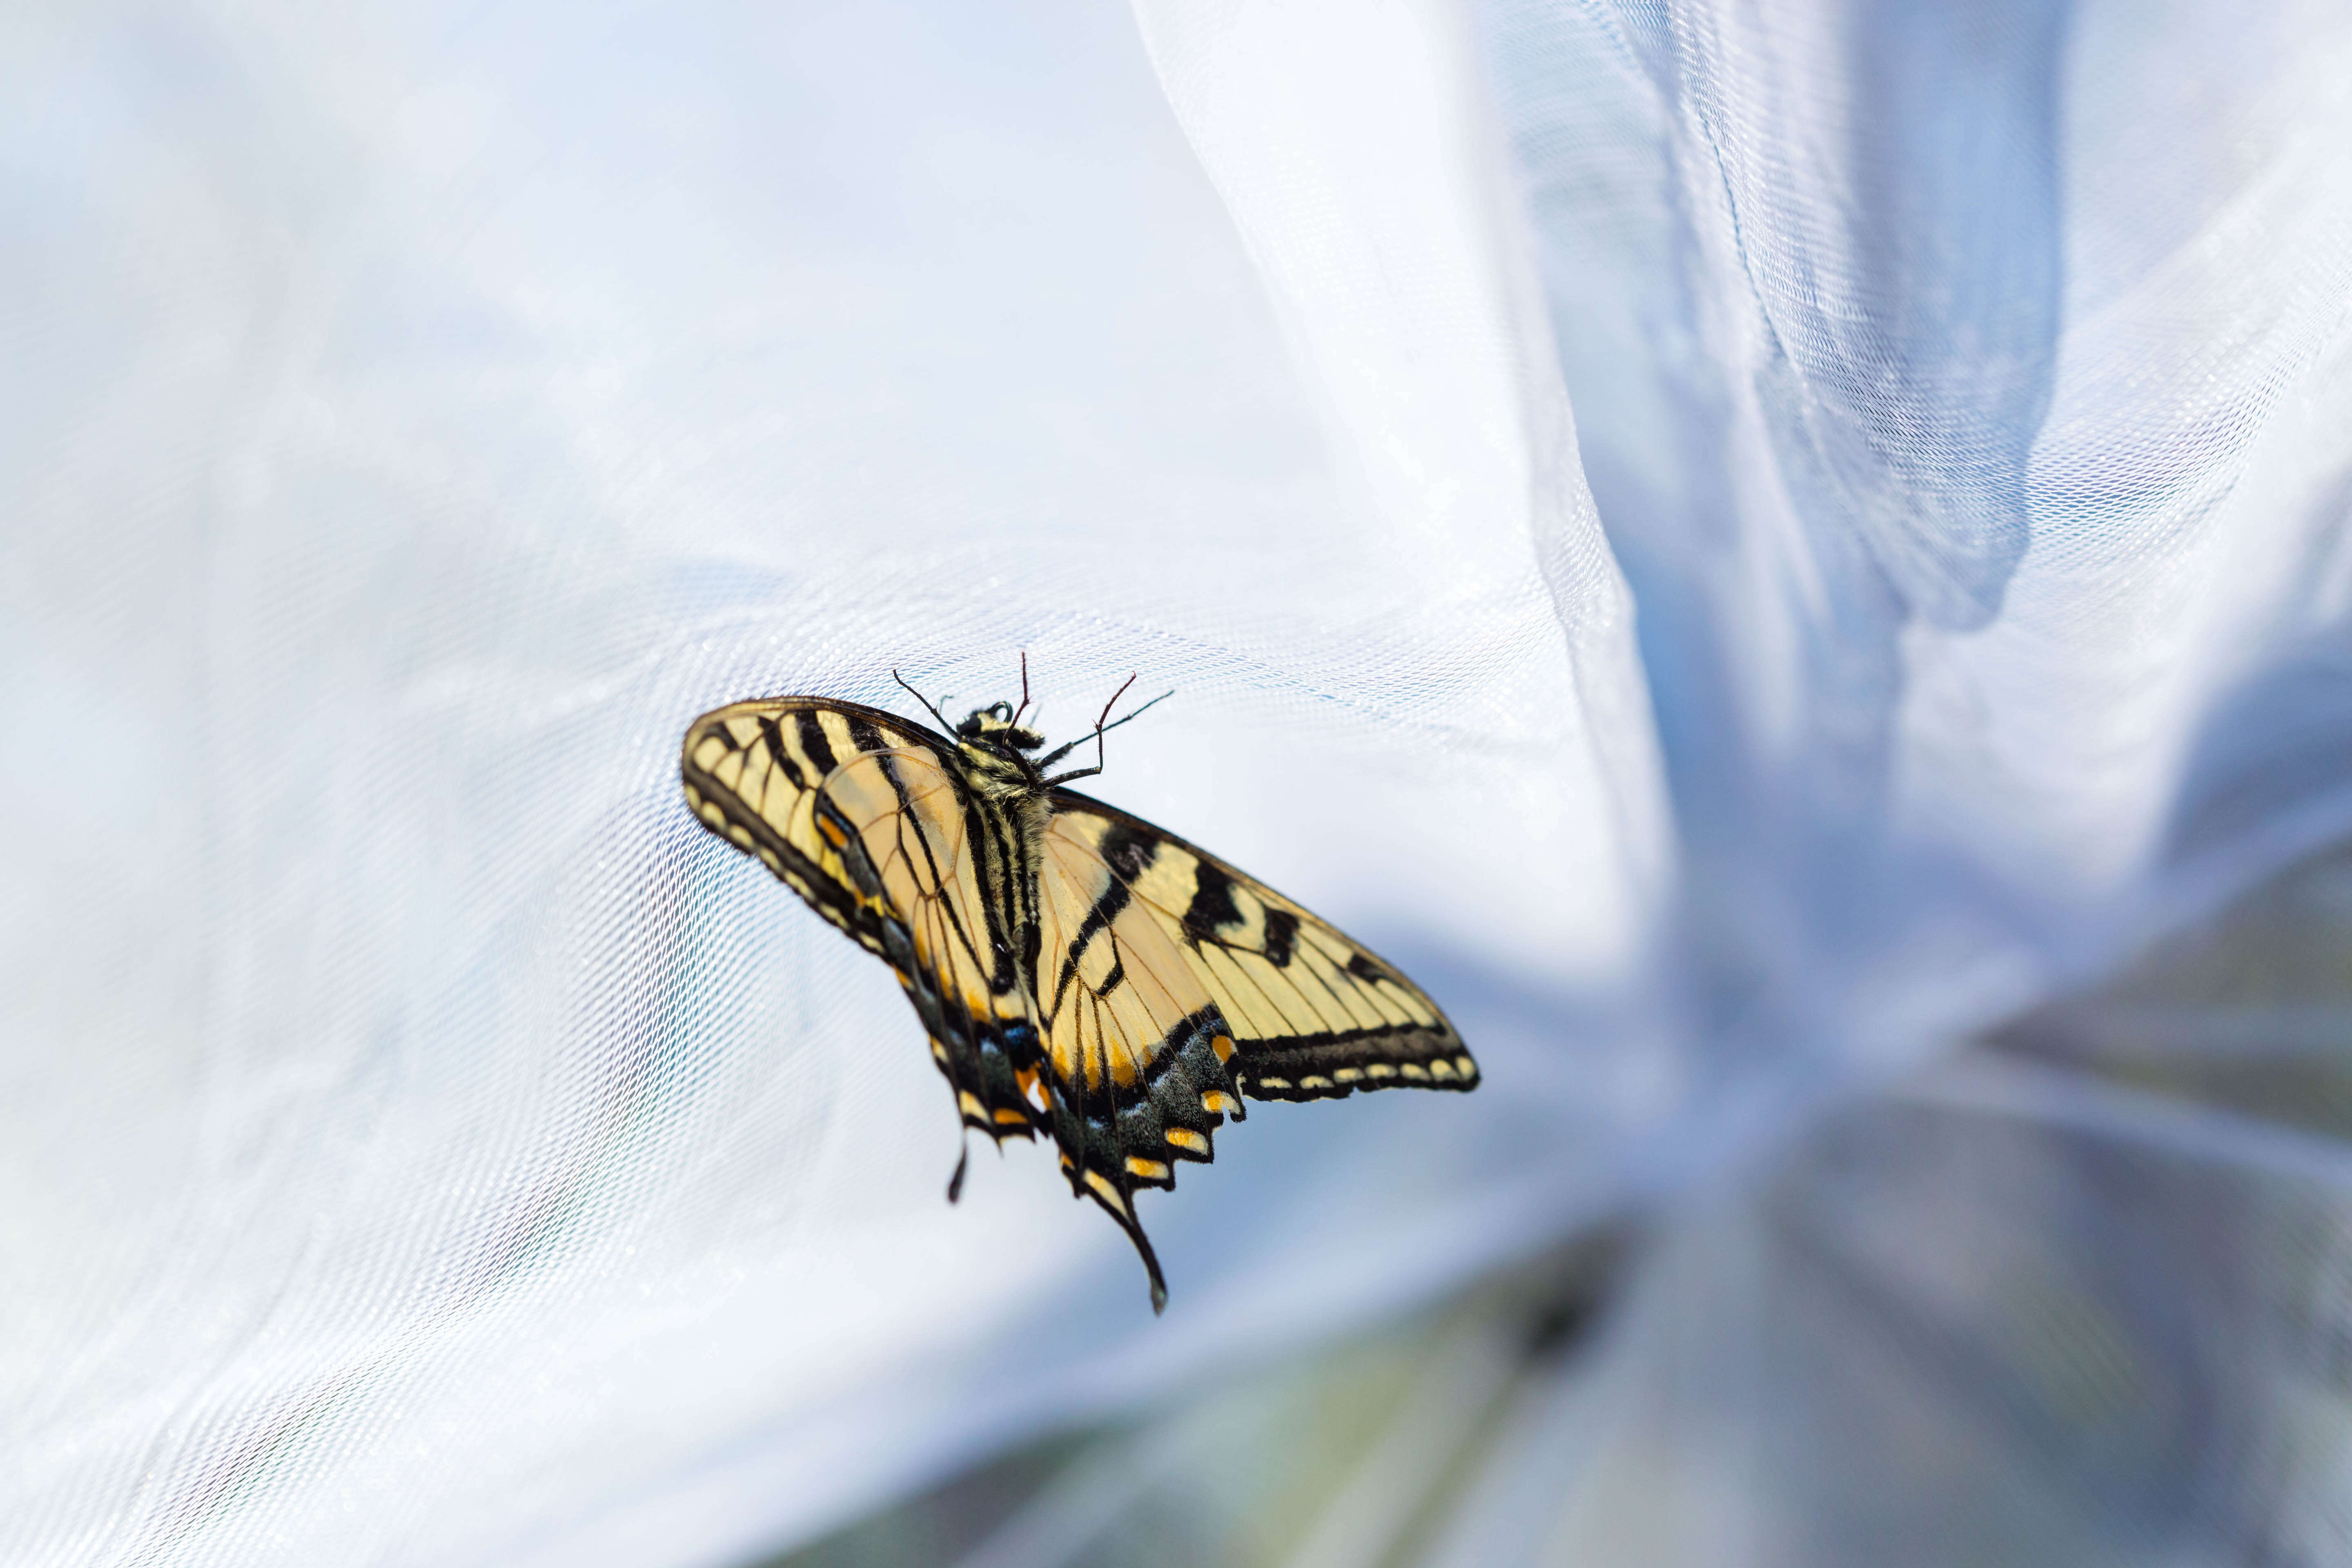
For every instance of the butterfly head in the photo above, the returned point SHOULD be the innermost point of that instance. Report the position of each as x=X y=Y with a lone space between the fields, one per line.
x=992 y=727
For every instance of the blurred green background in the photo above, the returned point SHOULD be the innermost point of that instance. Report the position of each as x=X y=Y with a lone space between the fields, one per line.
x=1386 y=1449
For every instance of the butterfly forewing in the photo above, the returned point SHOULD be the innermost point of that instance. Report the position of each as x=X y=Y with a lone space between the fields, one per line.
x=864 y=816
x=1137 y=1043
x=1313 y=1015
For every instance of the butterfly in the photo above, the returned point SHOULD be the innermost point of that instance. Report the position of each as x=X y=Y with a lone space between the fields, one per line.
x=1078 y=970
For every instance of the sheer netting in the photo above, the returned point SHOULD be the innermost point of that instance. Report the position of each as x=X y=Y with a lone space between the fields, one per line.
x=1742 y=545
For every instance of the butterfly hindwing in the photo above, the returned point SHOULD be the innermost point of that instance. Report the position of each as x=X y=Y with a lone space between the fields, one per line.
x=865 y=816
x=1311 y=1014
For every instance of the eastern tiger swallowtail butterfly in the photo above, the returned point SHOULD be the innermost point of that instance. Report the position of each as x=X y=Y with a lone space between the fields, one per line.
x=1077 y=969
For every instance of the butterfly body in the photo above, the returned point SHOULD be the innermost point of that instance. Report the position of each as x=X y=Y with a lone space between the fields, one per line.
x=1078 y=971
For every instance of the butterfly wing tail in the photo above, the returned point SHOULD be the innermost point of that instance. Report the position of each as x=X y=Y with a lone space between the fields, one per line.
x=1117 y=1201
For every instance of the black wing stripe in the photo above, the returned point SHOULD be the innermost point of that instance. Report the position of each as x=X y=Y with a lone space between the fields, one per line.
x=1281 y=931
x=1126 y=854
x=813 y=744
x=774 y=735
x=936 y=885
x=988 y=827
x=834 y=900
x=1211 y=909
x=1114 y=898
x=1313 y=1067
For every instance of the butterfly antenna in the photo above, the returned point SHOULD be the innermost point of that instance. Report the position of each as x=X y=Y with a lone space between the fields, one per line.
x=942 y=718
x=1105 y=713
x=1113 y=702
x=1140 y=712
x=1102 y=728
x=1025 y=687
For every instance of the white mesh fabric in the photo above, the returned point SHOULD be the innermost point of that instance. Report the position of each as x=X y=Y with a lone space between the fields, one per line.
x=1737 y=545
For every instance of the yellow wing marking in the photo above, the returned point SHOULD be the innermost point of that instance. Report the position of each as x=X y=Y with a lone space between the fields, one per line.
x=1311 y=1012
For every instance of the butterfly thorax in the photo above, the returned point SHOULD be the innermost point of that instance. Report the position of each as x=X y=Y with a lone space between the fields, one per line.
x=994 y=751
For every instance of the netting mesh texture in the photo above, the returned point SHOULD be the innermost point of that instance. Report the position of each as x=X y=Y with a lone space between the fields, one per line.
x=1742 y=546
